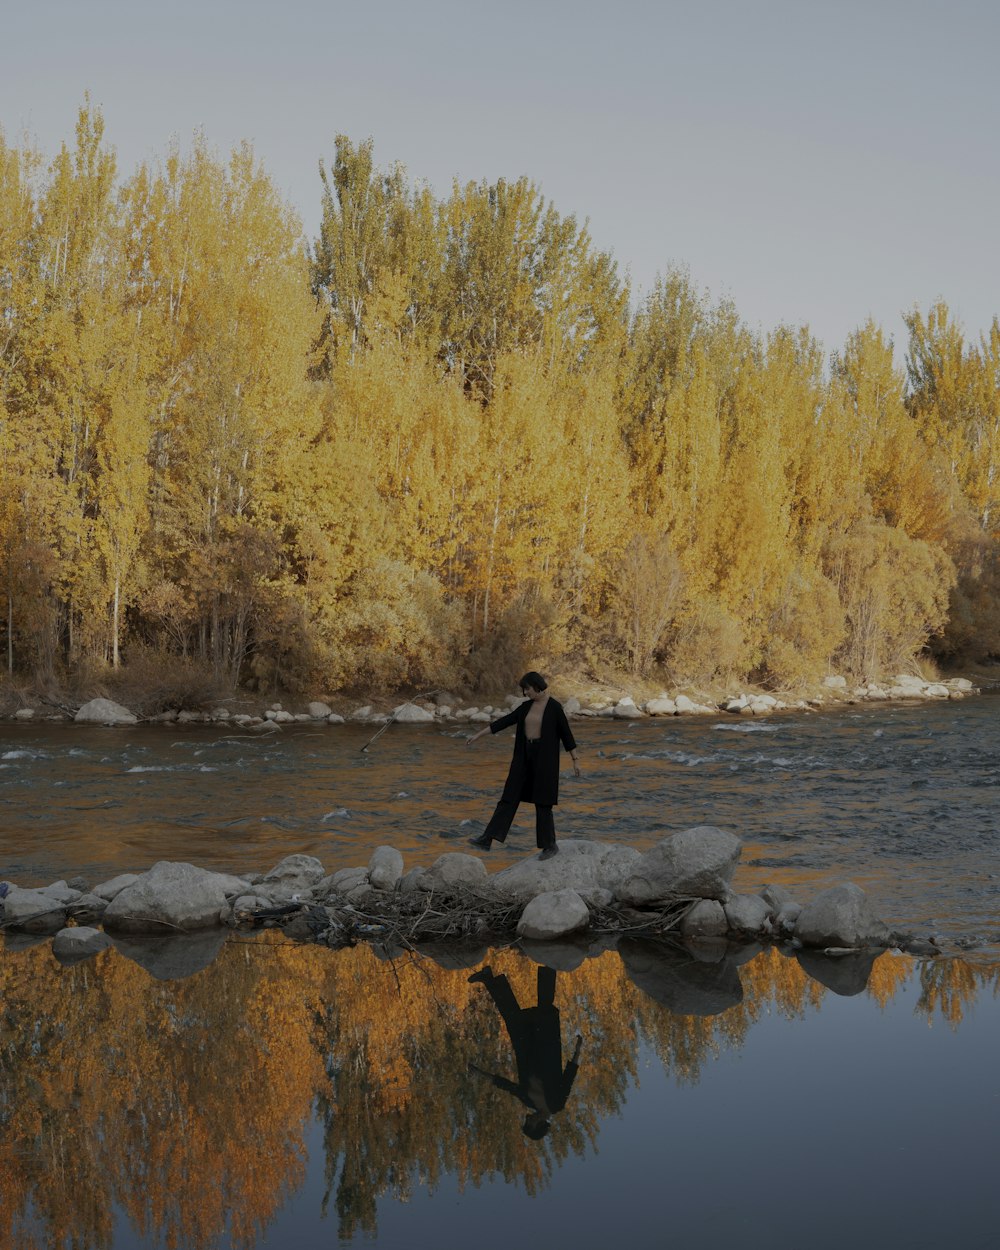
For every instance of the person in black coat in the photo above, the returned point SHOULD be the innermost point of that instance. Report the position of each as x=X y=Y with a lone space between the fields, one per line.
x=540 y=727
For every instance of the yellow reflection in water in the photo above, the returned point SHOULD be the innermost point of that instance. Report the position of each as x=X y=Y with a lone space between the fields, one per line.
x=185 y=1103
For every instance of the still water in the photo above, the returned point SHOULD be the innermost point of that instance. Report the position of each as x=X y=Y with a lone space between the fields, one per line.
x=203 y=1093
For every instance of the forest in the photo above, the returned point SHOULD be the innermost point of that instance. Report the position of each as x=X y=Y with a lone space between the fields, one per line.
x=441 y=442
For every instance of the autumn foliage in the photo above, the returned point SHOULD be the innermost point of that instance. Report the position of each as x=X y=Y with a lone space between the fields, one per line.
x=439 y=441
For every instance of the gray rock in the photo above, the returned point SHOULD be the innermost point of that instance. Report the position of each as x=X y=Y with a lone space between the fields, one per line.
x=104 y=712
x=748 y=913
x=168 y=897
x=411 y=714
x=247 y=904
x=662 y=706
x=581 y=865
x=682 y=983
x=453 y=869
x=385 y=868
x=108 y=889
x=841 y=916
x=695 y=863
x=174 y=957
x=62 y=892
x=787 y=918
x=34 y=910
x=295 y=874
x=597 y=897
x=348 y=879
x=706 y=919
x=626 y=709
x=87 y=908
x=845 y=974
x=775 y=896
x=411 y=881
x=70 y=946
x=319 y=711
x=553 y=915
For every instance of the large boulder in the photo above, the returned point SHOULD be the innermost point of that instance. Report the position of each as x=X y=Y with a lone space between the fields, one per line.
x=553 y=915
x=35 y=910
x=695 y=863
x=581 y=865
x=748 y=913
x=105 y=712
x=169 y=898
x=682 y=983
x=706 y=919
x=385 y=868
x=108 y=889
x=842 y=917
x=411 y=714
x=295 y=874
x=454 y=869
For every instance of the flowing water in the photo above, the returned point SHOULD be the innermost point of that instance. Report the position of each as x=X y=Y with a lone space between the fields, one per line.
x=209 y=1093
x=902 y=799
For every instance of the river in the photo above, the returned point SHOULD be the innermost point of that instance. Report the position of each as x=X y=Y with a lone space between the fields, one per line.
x=250 y=1093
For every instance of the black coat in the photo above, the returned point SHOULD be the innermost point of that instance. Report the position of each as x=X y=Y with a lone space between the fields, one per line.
x=555 y=729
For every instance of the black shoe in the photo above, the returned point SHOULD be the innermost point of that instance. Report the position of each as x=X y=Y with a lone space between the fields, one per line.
x=482 y=842
x=549 y=852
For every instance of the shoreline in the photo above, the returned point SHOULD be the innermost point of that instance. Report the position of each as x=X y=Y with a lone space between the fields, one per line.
x=580 y=700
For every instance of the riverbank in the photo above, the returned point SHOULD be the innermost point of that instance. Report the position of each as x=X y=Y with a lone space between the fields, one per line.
x=579 y=699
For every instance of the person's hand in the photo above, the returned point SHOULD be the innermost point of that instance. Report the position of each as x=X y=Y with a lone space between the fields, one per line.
x=576 y=769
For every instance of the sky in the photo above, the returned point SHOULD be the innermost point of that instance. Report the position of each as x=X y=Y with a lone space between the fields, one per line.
x=816 y=163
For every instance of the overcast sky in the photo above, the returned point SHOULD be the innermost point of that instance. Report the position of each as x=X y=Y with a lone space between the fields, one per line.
x=816 y=162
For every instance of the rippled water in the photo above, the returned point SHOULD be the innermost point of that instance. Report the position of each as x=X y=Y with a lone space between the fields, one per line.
x=903 y=799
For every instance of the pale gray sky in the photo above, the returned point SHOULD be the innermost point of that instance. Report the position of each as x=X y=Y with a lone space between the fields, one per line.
x=817 y=162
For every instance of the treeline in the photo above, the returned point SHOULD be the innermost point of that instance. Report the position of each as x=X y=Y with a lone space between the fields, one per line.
x=438 y=443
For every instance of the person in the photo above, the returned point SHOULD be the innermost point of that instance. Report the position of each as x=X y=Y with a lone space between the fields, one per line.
x=540 y=726
x=543 y=1085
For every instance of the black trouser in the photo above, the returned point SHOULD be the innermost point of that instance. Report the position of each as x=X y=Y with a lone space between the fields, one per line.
x=502 y=818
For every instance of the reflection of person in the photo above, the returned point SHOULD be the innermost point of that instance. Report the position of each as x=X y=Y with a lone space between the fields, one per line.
x=543 y=1085
x=541 y=725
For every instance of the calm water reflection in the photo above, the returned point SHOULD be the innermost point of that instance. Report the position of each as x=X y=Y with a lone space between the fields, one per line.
x=293 y=1096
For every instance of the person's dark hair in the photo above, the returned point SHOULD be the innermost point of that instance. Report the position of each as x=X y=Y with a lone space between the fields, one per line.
x=535 y=680
x=535 y=1126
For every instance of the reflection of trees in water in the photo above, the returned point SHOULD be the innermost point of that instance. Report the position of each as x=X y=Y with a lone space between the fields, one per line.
x=184 y=1103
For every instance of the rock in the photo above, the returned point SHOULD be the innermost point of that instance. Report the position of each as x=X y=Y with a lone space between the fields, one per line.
x=695 y=863
x=625 y=709
x=960 y=683
x=661 y=707
x=785 y=921
x=451 y=869
x=34 y=910
x=736 y=704
x=748 y=913
x=172 y=957
x=62 y=892
x=775 y=896
x=246 y=905
x=684 y=704
x=553 y=915
x=845 y=974
x=685 y=985
x=571 y=706
x=411 y=714
x=411 y=881
x=385 y=868
x=295 y=874
x=841 y=916
x=169 y=897
x=706 y=919
x=598 y=897
x=70 y=946
x=581 y=865
x=834 y=682
x=87 y=908
x=346 y=880
x=361 y=713
x=319 y=711
x=104 y=712
x=335 y=719
x=24 y=713
x=109 y=889
x=937 y=690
